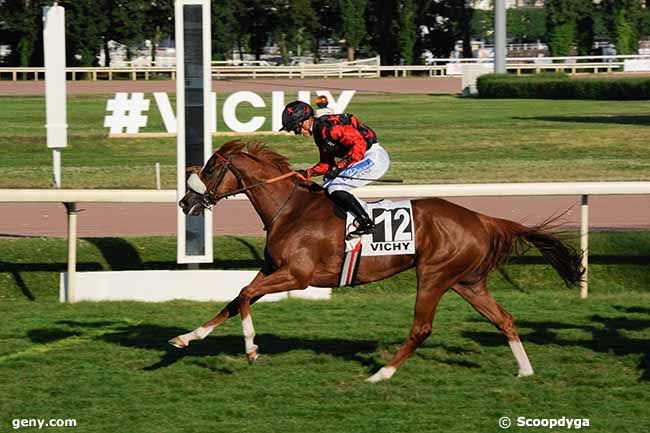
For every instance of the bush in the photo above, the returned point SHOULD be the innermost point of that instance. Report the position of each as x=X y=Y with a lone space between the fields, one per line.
x=561 y=86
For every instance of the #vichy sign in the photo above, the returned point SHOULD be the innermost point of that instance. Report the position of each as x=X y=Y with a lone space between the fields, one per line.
x=127 y=110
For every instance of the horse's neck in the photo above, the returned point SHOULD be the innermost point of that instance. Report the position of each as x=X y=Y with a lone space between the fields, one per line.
x=278 y=202
x=268 y=200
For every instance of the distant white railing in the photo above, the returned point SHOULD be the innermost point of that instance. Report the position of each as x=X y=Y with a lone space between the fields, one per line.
x=583 y=189
x=367 y=68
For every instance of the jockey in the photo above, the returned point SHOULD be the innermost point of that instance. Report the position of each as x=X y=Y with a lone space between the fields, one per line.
x=342 y=136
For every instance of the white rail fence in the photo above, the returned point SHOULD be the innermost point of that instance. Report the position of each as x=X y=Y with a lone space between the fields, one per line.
x=583 y=189
x=367 y=68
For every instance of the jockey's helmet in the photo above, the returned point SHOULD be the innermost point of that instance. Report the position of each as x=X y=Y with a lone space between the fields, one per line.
x=294 y=114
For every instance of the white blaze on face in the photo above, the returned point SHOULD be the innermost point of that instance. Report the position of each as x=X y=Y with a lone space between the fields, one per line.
x=196 y=184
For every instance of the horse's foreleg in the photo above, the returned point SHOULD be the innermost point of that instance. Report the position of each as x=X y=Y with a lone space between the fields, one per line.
x=281 y=280
x=230 y=310
x=428 y=296
x=484 y=303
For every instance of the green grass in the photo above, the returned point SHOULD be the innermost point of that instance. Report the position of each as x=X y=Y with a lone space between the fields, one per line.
x=431 y=139
x=108 y=365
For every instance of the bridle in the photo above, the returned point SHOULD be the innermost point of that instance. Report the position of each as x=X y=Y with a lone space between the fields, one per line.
x=209 y=198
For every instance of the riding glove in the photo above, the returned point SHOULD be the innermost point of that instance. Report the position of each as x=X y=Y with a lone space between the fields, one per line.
x=333 y=172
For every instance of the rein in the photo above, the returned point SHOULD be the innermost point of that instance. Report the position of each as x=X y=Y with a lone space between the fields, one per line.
x=209 y=198
x=255 y=185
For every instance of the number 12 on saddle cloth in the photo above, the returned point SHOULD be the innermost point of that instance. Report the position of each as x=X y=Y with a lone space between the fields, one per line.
x=394 y=235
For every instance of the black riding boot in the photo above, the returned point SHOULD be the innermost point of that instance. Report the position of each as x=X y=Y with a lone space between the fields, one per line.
x=348 y=203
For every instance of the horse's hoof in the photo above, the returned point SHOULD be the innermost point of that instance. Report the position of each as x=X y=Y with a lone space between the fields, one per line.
x=384 y=373
x=178 y=342
x=525 y=373
x=252 y=357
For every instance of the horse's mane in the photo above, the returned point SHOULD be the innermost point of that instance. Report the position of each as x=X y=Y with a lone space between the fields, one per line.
x=258 y=150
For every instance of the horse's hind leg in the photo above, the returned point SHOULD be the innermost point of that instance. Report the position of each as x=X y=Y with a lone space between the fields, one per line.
x=230 y=310
x=430 y=290
x=478 y=295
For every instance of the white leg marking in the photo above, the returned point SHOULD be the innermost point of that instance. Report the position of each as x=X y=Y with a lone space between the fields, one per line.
x=384 y=373
x=203 y=332
x=198 y=334
x=249 y=334
x=525 y=369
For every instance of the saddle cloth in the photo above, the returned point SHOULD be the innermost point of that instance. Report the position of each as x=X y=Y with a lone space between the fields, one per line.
x=394 y=235
x=395 y=232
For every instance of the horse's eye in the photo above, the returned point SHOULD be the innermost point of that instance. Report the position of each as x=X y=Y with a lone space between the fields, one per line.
x=208 y=170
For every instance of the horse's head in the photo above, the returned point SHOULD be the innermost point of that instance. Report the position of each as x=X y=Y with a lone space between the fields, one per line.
x=216 y=180
x=235 y=168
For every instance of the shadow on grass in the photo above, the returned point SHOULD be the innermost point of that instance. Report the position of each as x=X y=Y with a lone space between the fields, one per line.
x=127 y=259
x=17 y=270
x=607 y=335
x=618 y=120
x=121 y=255
x=154 y=337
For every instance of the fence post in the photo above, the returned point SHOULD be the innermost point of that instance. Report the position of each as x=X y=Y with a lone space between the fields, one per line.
x=158 y=176
x=584 y=245
x=72 y=252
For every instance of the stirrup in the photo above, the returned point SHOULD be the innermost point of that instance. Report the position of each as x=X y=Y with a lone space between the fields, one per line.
x=365 y=228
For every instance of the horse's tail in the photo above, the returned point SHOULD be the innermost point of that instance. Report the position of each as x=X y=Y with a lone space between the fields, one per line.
x=510 y=238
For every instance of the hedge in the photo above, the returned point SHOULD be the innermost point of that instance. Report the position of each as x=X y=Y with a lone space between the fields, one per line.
x=561 y=86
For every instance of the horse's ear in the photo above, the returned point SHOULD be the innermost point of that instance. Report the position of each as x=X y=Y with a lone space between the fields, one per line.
x=193 y=169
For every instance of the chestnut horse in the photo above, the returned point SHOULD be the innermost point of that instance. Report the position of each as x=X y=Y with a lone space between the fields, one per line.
x=456 y=248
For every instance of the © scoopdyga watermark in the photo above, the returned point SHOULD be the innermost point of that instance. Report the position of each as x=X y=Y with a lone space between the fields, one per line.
x=40 y=423
x=568 y=423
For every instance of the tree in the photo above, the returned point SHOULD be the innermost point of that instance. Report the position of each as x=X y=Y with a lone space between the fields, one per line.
x=569 y=23
x=22 y=29
x=407 y=31
x=482 y=25
x=126 y=19
x=446 y=21
x=86 y=25
x=225 y=28
x=383 y=29
x=299 y=23
x=624 y=22
x=327 y=24
x=354 y=25
x=258 y=19
x=626 y=34
x=526 y=24
x=159 y=22
x=305 y=22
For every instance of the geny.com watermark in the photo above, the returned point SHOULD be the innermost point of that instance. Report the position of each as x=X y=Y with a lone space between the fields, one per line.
x=522 y=421
x=40 y=423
